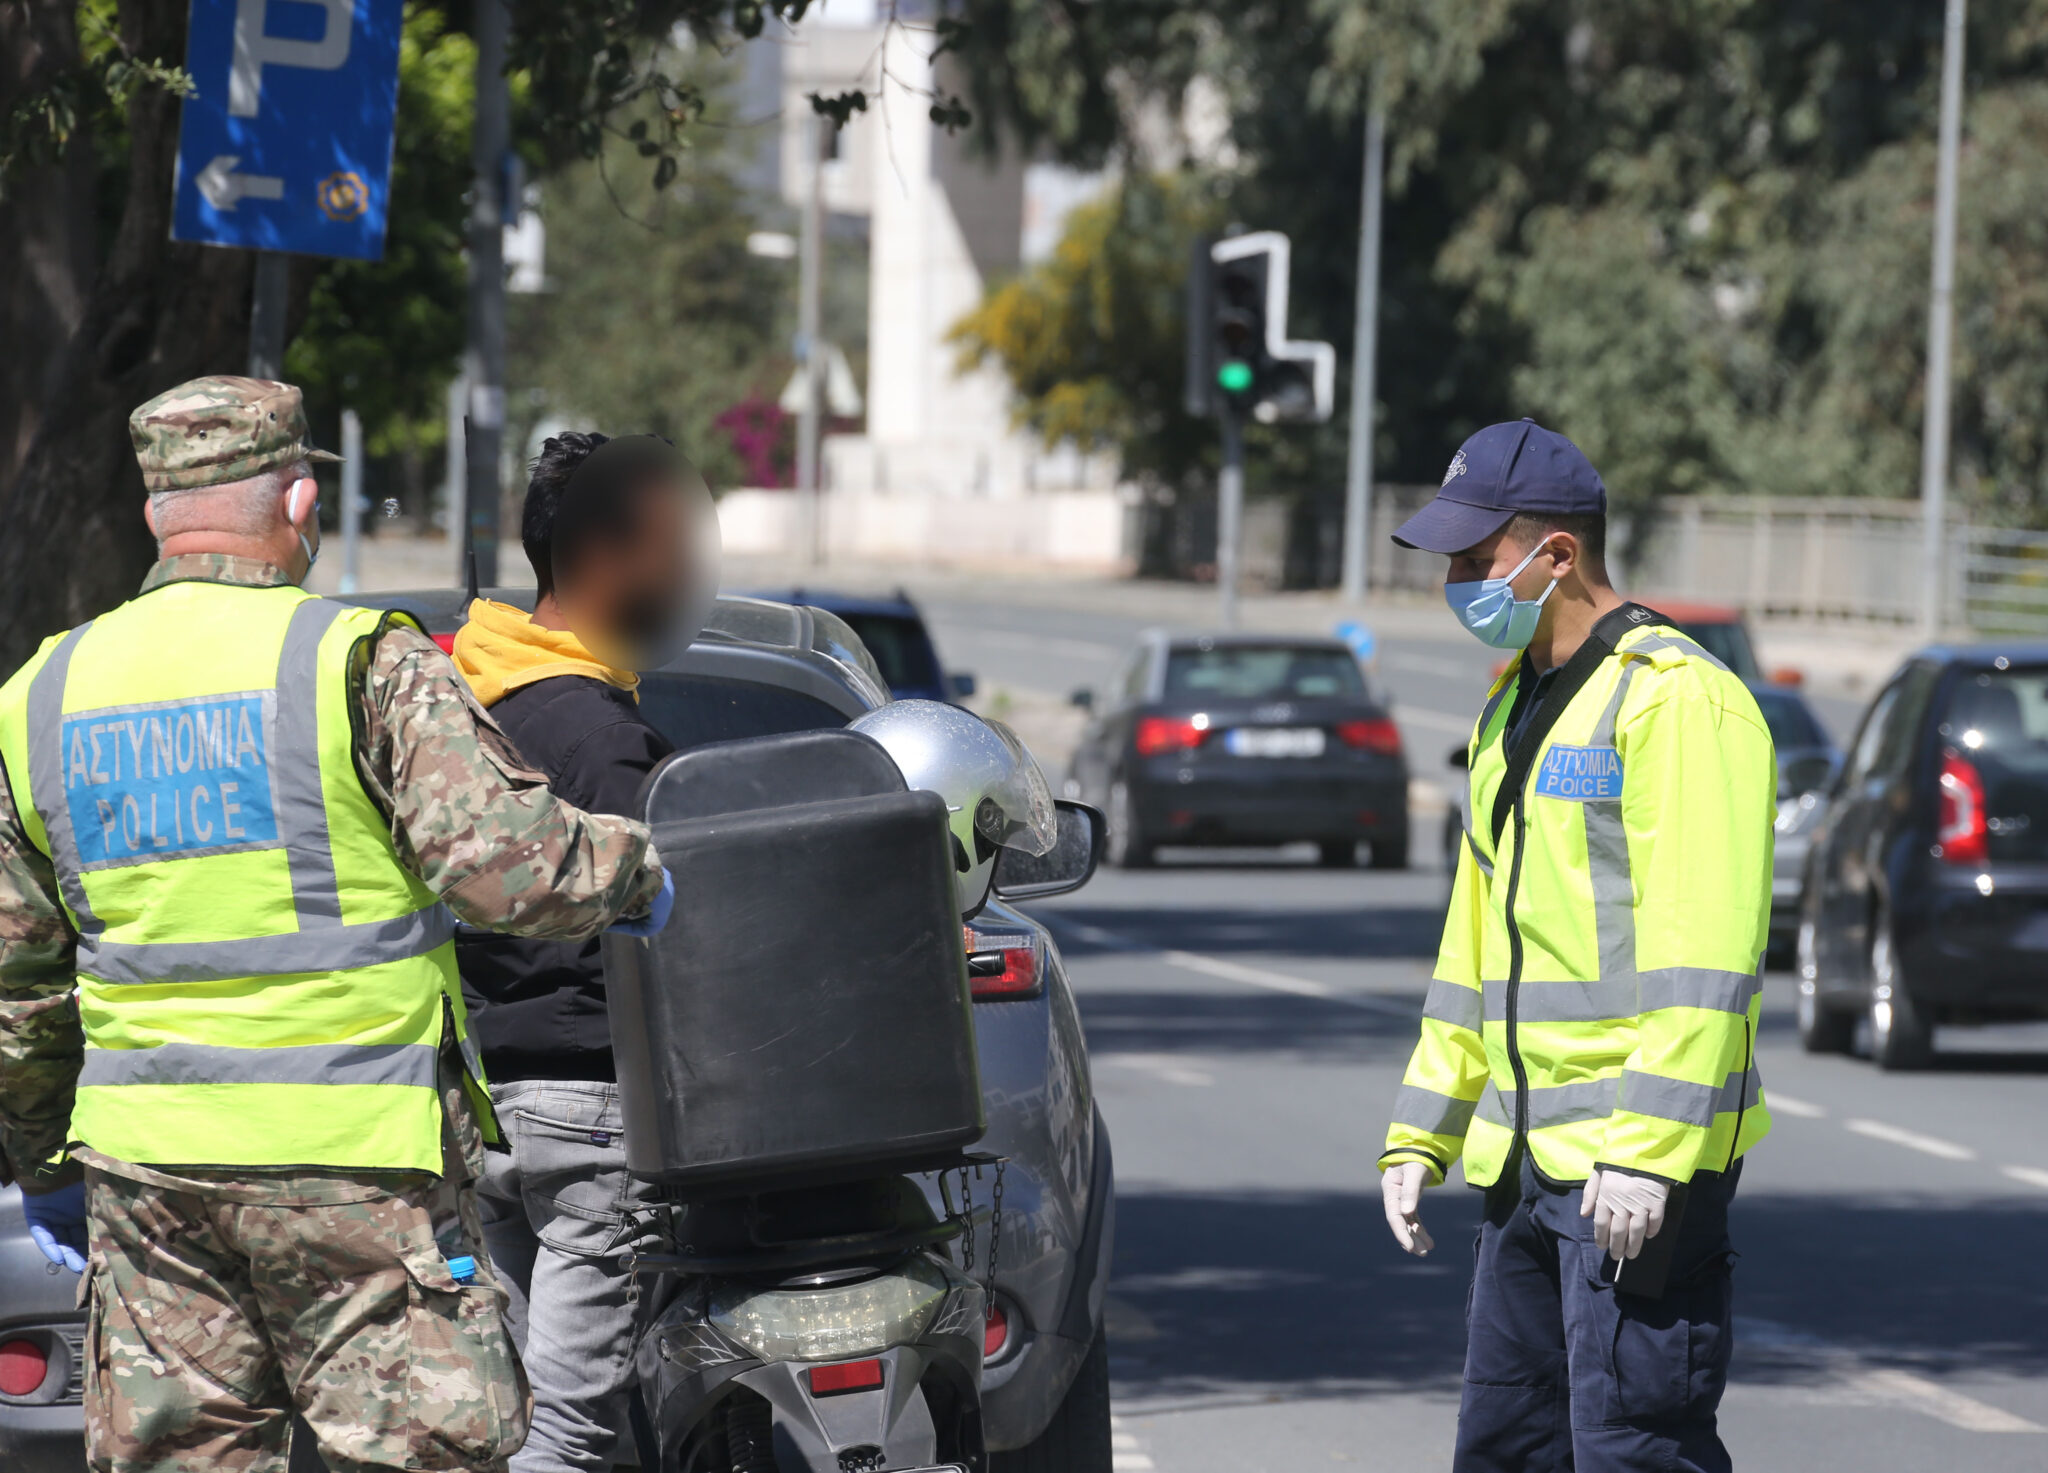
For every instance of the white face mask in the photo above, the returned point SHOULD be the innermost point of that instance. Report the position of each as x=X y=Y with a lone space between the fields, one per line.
x=305 y=542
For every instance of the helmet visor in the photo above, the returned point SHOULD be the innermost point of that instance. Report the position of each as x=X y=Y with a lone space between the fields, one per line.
x=1021 y=815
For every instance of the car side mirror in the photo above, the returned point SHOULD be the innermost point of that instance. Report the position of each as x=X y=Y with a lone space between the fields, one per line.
x=1068 y=865
x=961 y=684
x=1458 y=756
x=1082 y=697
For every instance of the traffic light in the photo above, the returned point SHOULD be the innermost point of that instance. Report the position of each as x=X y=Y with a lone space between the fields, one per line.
x=1239 y=358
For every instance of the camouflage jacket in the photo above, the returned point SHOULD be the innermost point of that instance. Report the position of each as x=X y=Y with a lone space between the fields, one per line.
x=468 y=817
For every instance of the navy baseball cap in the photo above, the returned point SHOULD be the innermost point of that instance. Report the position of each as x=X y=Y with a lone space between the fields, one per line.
x=1500 y=473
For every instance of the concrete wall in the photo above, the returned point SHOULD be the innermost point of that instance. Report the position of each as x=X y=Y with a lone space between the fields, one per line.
x=1081 y=531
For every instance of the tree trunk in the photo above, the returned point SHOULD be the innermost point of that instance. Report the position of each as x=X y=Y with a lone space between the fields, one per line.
x=158 y=313
x=46 y=226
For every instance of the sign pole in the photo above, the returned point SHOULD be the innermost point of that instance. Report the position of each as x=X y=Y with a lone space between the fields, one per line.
x=810 y=358
x=351 y=500
x=267 y=300
x=483 y=361
x=1230 y=517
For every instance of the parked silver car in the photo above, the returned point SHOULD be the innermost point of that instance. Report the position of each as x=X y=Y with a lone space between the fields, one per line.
x=762 y=668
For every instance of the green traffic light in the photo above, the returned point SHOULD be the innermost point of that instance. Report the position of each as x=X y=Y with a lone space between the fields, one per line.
x=1235 y=376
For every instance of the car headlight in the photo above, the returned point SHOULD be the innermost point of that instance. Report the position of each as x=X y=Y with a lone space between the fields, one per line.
x=1794 y=814
x=832 y=1323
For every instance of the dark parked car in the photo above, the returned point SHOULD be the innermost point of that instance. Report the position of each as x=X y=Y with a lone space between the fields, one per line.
x=762 y=668
x=1807 y=762
x=893 y=629
x=1244 y=739
x=1927 y=887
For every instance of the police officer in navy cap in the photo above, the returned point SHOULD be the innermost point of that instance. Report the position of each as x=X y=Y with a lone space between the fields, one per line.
x=1588 y=1044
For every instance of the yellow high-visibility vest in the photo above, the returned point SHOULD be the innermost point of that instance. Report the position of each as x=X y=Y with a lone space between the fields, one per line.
x=1599 y=981
x=261 y=982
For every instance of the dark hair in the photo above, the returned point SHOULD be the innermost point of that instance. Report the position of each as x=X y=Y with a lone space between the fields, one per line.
x=548 y=480
x=1530 y=528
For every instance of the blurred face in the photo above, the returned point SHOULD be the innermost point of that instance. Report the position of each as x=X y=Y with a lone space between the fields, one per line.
x=629 y=587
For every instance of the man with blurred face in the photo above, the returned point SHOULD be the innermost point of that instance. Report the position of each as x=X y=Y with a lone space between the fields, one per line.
x=1589 y=1041
x=621 y=542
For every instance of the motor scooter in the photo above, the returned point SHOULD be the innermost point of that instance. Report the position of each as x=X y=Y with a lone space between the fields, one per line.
x=789 y=1075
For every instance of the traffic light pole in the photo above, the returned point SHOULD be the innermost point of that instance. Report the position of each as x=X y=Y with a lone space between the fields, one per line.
x=483 y=363
x=1230 y=517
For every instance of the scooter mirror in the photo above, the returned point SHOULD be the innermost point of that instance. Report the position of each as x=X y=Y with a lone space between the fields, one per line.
x=1068 y=865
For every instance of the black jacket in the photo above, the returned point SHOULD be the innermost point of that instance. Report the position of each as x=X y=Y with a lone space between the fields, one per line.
x=537 y=1008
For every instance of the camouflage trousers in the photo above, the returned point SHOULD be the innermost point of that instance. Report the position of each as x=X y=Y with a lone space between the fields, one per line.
x=218 y=1309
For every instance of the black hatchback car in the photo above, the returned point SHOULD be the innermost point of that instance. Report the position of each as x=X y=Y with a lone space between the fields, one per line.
x=1244 y=739
x=1926 y=899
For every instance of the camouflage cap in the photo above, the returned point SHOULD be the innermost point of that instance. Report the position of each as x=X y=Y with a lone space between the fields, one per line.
x=219 y=428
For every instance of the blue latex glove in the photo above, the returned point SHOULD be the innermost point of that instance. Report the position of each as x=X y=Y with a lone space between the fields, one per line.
x=56 y=1223
x=657 y=914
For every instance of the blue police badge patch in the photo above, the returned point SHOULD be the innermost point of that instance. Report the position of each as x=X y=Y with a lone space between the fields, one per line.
x=170 y=779
x=1580 y=774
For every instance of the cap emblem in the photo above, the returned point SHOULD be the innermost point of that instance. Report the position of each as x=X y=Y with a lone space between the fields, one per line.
x=1457 y=469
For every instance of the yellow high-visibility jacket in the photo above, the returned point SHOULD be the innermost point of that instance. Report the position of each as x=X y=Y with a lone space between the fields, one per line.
x=261 y=981
x=1598 y=985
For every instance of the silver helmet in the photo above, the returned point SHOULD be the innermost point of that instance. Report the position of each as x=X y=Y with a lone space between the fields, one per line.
x=995 y=794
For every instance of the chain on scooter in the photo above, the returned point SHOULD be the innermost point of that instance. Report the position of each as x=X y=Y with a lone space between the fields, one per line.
x=995 y=1237
x=967 y=1218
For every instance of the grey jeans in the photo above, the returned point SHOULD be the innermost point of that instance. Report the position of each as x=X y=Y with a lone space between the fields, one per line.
x=553 y=1209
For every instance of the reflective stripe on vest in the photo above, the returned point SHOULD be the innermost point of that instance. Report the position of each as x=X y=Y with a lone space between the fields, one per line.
x=322 y=943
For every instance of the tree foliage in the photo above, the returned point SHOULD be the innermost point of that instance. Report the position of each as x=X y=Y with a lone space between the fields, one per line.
x=1693 y=234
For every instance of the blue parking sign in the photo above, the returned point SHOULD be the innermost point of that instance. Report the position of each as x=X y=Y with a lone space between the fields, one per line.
x=286 y=141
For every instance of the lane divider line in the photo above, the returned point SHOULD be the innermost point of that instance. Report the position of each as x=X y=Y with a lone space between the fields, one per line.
x=1166 y=1067
x=2032 y=1176
x=1787 y=1105
x=1896 y=1387
x=1127 y=1454
x=1229 y=971
x=1912 y=1140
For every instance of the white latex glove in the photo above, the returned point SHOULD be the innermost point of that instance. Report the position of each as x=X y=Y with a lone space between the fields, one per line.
x=1627 y=1211
x=1401 y=1190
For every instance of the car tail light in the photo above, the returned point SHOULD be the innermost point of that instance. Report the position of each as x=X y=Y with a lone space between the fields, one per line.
x=1001 y=965
x=1159 y=734
x=1376 y=735
x=447 y=643
x=1959 y=836
x=853 y=1375
x=995 y=1334
x=23 y=1367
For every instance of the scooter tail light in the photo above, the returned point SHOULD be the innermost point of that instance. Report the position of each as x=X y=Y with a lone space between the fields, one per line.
x=1961 y=833
x=853 y=1375
x=24 y=1365
x=1155 y=735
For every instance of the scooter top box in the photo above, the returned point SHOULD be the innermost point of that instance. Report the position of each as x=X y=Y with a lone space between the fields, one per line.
x=806 y=1011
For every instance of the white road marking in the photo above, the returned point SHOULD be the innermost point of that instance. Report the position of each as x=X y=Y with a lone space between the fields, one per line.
x=1127 y=1454
x=2032 y=1176
x=1434 y=720
x=1903 y=1388
x=1912 y=1140
x=1787 y=1105
x=1160 y=1066
x=1229 y=971
x=1880 y=1385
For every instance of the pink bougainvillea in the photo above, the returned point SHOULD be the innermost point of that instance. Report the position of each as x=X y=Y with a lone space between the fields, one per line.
x=763 y=438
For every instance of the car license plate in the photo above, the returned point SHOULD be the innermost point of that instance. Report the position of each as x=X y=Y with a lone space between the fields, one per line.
x=1274 y=741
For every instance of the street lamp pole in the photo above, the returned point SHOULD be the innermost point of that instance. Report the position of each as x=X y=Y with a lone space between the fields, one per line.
x=1934 y=440
x=810 y=358
x=483 y=361
x=1364 y=356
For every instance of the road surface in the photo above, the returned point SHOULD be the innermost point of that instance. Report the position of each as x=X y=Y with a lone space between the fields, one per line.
x=1249 y=1018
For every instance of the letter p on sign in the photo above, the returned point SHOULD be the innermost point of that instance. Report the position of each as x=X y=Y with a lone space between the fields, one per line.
x=254 y=50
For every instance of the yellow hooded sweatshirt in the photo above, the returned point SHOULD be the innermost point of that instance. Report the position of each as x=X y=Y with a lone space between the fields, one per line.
x=500 y=649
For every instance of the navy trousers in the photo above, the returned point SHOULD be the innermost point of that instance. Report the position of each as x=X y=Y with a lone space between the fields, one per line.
x=1565 y=1375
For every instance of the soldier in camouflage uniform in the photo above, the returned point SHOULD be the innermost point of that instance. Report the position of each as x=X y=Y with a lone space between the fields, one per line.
x=223 y=1299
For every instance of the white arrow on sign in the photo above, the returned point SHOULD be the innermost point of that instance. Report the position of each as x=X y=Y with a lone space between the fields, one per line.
x=221 y=187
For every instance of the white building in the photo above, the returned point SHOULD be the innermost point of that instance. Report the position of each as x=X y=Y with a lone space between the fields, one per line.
x=942 y=226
